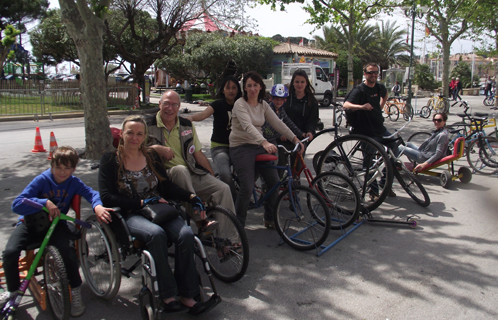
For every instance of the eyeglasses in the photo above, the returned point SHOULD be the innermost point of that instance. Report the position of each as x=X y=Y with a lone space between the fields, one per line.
x=167 y=104
x=437 y=120
x=372 y=72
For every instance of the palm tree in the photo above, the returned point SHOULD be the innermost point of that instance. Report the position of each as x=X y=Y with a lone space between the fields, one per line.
x=391 y=47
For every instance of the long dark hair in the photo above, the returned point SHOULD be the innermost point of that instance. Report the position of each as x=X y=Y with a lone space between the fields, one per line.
x=221 y=95
x=147 y=152
x=308 y=90
x=254 y=76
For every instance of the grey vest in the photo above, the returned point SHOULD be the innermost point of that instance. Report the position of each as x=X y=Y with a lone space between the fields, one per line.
x=156 y=134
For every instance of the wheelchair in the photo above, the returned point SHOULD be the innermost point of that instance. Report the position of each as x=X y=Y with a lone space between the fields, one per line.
x=223 y=252
x=54 y=286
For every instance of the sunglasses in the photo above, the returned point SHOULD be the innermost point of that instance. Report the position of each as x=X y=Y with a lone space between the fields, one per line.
x=372 y=72
x=437 y=120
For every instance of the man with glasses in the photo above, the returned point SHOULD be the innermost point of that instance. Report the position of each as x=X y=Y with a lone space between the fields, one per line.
x=363 y=107
x=176 y=140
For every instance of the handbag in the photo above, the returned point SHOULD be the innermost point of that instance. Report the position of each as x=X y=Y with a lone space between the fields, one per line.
x=160 y=212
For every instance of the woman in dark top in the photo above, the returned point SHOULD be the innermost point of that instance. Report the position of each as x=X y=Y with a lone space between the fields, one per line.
x=221 y=110
x=128 y=178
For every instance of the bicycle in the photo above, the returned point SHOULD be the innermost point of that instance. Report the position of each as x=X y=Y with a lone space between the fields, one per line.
x=489 y=101
x=438 y=103
x=301 y=215
x=390 y=111
x=55 y=281
x=404 y=108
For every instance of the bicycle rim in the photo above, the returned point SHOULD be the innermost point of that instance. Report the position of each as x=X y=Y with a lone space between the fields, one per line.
x=411 y=185
x=393 y=112
x=302 y=218
x=482 y=160
x=341 y=197
x=425 y=112
x=361 y=153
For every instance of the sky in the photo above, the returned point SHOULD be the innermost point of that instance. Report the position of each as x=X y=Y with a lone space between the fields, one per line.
x=292 y=22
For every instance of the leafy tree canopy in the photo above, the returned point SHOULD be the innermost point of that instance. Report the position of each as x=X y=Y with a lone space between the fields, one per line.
x=462 y=71
x=424 y=77
x=19 y=12
x=342 y=64
x=212 y=56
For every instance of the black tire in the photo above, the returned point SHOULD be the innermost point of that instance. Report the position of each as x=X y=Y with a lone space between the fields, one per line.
x=356 y=148
x=339 y=114
x=146 y=303
x=408 y=112
x=445 y=179
x=411 y=185
x=489 y=101
x=303 y=221
x=483 y=160
x=100 y=259
x=419 y=137
x=465 y=174
x=393 y=112
x=327 y=99
x=56 y=283
x=316 y=158
x=341 y=196
x=425 y=112
x=227 y=247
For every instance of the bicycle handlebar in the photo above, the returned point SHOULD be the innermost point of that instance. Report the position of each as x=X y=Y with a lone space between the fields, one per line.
x=38 y=206
x=295 y=148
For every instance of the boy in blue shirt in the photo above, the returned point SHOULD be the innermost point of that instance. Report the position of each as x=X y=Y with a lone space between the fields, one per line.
x=54 y=189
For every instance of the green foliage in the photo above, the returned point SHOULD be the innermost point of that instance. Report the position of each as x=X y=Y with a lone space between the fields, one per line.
x=462 y=70
x=212 y=56
x=19 y=12
x=424 y=77
x=342 y=64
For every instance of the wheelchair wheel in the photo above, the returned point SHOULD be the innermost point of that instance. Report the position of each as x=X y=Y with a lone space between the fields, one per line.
x=341 y=196
x=302 y=218
x=145 y=300
x=100 y=259
x=56 y=283
x=227 y=247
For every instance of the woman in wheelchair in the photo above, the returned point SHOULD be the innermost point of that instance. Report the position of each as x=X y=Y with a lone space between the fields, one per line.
x=432 y=149
x=129 y=178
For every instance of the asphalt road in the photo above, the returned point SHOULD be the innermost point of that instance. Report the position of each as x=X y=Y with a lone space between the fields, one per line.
x=444 y=269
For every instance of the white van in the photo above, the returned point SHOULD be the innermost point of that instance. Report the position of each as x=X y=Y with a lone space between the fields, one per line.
x=318 y=79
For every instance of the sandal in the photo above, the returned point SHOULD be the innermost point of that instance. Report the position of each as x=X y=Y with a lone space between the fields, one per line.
x=204 y=226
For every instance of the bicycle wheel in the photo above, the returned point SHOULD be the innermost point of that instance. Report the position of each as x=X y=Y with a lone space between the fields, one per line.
x=419 y=137
x=100 y=259
x=408 y=112
x=488 y=101
x=425 y=112
x=56 y=283
x=352 y=155
x=411 y=185
x=227 y=247
x=302 y=218
x=393 y=112
x=482 y=155
x=341 y=197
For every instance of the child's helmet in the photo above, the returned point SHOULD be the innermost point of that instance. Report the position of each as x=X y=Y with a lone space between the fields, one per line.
x=279 y=90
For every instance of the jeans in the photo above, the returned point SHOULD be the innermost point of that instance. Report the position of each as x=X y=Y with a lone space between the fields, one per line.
x=184 y=282
x=244 y=164
x=62 y=239
x=411 y=151
x=221 y=159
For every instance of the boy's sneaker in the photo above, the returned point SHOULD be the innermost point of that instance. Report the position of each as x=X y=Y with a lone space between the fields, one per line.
x=5 y=297
x=77 y=306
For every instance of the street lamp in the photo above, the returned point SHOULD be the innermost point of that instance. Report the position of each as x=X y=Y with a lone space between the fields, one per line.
x=413 y=12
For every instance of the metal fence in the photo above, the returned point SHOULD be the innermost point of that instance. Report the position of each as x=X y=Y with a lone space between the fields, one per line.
x=44 y=98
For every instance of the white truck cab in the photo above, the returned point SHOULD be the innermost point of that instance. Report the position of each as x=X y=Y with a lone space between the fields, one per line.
x=318 y=79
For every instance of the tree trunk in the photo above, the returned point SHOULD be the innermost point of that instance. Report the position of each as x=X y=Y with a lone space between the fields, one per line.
x=87 y=31
x=446 y=68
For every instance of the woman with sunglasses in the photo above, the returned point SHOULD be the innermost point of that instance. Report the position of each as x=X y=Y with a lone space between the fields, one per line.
x=432 y=149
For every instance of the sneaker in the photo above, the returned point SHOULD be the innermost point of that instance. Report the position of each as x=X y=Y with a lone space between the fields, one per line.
x=5 y=297
x=77 y=305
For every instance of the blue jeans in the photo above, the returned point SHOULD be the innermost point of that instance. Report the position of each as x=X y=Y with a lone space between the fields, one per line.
x=411 y=151
x=221 y=159
x=244 y=164
x=184 y=282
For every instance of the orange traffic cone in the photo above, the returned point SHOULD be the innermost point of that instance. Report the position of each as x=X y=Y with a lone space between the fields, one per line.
x=53 y=145
x=38 y=142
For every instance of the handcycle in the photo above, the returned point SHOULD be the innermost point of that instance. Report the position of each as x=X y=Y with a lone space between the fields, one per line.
x=55 y=285
x=301 y=215
x=223 y=252
x=480 y=149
